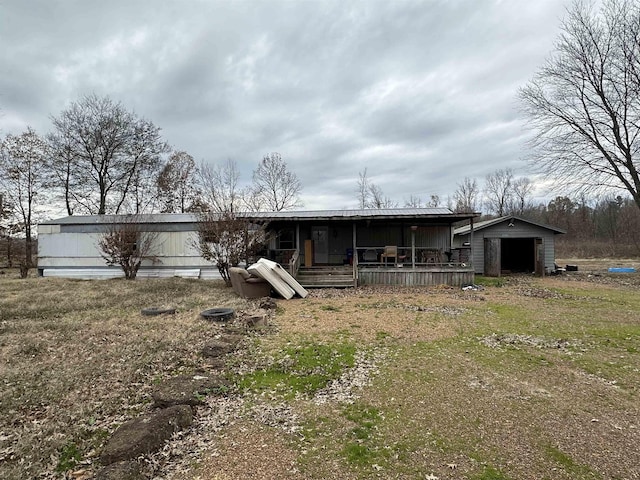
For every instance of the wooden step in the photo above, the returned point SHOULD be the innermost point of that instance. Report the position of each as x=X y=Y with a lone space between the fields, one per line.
x=326 y=276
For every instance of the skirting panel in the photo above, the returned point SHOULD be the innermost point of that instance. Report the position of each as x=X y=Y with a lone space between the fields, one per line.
x=407 y=277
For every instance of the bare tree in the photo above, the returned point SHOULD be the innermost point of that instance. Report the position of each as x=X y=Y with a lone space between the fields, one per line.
x=370 y=195
x=413 y=202
x=498 y=191
x=378 y=199
x=584 y=103
x=226 y=239
x=416 y=202
x=176 y=184
x=276 y=184
x=101 y=154
x=521 y=193
x=466 y=196
x=23 y=170
x=363 y=190
x=126 y=244
x=9 y=225
x=219 y=185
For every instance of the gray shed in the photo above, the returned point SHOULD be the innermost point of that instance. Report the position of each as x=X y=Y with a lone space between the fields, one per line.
x=508 y=245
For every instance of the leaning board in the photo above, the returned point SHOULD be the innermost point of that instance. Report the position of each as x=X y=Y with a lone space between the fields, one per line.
x=286 y=276
x=265 y=271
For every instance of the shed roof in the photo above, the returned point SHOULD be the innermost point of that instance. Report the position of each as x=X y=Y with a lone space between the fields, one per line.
x=489 y=223
x=290 y=215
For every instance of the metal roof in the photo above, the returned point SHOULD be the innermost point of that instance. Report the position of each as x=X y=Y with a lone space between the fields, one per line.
x=289 y=215
x=488 y=223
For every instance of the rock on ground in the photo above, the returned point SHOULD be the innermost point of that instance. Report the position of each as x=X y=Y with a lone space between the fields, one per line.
x=221 y=346
x=145 y=434
x=187 y=390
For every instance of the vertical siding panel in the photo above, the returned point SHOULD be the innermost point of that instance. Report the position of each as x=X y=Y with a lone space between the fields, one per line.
x=415 y=277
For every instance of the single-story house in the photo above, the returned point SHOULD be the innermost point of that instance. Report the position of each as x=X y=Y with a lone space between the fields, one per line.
x=508 y=245
x=406 y=246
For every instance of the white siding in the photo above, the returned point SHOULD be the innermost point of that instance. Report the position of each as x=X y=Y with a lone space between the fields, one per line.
x=78 y=255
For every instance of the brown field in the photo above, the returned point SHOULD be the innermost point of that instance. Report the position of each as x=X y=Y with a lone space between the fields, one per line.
x=526 y=378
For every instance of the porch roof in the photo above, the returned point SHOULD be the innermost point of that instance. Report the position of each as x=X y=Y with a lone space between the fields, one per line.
x=363 y=214
x=286 y=216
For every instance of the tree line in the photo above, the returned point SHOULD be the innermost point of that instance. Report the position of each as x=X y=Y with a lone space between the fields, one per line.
x=101 y=158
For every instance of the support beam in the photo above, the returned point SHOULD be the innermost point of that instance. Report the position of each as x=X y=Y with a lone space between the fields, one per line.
x=471 y=245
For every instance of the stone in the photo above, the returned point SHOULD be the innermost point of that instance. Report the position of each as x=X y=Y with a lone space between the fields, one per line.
x=258 y=320
x=221 y=346
x=126 y=470
x=216 y=363
x=145 y=434
x=268 y=303
x=231 y=338
x=187 y=390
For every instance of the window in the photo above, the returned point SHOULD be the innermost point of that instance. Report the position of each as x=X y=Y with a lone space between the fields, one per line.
x=286 y=239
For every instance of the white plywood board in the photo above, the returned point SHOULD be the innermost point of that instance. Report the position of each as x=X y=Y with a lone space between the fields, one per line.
x=265 y=271
x=286 y=276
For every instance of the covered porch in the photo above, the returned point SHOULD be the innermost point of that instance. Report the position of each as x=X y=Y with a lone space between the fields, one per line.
x=368 y=247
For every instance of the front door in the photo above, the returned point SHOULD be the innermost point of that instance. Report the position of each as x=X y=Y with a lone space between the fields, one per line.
x=320 y=236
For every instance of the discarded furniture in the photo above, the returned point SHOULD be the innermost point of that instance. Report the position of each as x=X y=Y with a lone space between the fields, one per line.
x=431 y=255
x=247 y=285
x=278 y=277
x=370 y=255
x=389 y=251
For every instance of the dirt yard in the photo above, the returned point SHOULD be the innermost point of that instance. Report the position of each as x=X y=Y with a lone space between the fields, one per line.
x=523 y=378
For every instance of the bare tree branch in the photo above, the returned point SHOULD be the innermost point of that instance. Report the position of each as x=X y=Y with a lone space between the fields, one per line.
x=584 y=103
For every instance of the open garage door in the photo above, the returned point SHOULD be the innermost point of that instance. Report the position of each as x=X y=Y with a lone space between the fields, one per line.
x=513 y=255
x=518 y=255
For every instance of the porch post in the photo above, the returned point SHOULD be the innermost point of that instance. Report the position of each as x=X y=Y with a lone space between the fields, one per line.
x=354 y=257
x=413 y=247
x=298 y=237
x=471 y=245
x=355 y=252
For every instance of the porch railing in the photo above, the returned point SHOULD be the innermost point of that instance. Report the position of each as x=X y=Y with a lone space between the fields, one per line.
x=294 y=263
x=425 y=256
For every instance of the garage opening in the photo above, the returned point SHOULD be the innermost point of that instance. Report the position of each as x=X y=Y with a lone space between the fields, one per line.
x=518 y=255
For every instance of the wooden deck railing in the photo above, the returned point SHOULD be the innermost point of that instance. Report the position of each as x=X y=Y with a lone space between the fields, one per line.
x=424 y=257
x=294 y=263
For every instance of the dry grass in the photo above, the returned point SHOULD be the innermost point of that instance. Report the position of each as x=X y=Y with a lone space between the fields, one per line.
x=538 y=378
x=77 y=359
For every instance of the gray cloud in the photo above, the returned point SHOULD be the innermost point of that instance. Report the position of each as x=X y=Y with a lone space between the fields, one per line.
x=421 y=93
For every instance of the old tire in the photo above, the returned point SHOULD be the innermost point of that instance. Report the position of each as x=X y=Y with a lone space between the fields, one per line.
x=151 y=311
x=218 y=314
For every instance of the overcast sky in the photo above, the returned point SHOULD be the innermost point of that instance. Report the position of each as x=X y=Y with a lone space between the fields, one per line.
x=420 y=94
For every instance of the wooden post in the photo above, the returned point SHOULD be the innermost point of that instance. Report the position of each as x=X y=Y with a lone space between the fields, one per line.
x=355 y=256
x=471 y=245
x=413 y=246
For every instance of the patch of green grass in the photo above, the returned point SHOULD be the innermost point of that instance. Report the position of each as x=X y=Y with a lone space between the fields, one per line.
x=68 y=458
x=358 y=454
x=568 y=464
x=489 y=473
x=382 y=335
x=362 y=448
x=490 y=281
x=329 y=308
x=304 y=368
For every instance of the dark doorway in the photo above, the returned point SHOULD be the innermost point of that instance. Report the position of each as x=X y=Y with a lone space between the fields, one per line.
x=518 y=255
